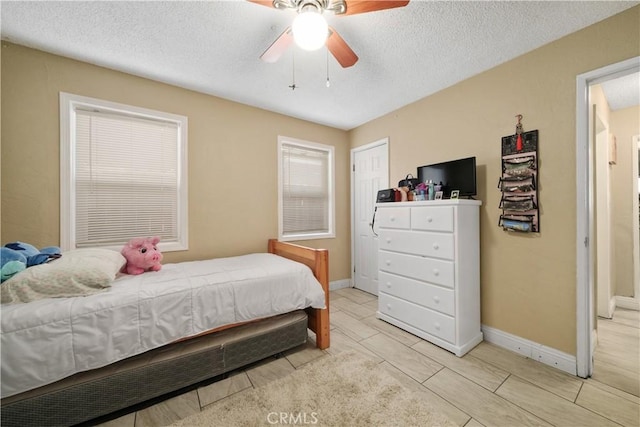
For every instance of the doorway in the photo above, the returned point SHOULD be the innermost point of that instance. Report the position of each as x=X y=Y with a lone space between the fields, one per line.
x=585 y=214
x=370 y=173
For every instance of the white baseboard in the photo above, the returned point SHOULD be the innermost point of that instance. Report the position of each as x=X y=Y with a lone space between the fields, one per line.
x=340 y=284
x=547 y=355
x=628 y=303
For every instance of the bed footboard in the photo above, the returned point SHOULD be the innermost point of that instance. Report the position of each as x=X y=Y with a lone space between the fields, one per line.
x=318 y=261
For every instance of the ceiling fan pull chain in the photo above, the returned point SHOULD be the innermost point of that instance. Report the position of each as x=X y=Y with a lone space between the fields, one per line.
x=293 y=71
x=328 y=82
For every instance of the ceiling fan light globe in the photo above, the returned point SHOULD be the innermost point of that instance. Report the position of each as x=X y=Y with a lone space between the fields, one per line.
x=310 y=30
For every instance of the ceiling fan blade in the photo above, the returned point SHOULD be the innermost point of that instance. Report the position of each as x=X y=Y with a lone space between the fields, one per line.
x=340 y=49
x=364 y=6
x=277 y=4
x=278 y=47
x=268 y=3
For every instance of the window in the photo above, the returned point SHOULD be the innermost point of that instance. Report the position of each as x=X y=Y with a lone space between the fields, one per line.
x=306 y=190
x=123 y=174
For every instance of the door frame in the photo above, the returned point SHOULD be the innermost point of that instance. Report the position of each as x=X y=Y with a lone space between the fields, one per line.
x=635 y=146
x=584 y=211
x=382 y=141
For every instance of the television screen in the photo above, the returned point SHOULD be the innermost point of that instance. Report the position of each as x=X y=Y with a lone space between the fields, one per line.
x=454 y=175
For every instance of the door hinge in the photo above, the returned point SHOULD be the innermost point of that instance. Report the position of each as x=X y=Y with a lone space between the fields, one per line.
x=353 y=167
x=586 y=242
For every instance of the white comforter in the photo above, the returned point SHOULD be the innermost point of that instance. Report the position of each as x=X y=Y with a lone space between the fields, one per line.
x=47 y=340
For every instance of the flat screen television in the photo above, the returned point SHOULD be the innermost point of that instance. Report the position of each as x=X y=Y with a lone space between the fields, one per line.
x=454 y=175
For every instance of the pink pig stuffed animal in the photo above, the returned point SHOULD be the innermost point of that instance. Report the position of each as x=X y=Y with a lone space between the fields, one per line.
x=142 y=255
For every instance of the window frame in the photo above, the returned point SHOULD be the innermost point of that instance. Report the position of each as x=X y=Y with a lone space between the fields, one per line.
x=69 y=103
x=330 y=233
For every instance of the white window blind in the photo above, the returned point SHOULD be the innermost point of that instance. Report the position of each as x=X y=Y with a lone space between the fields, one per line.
x=306 y=188
x=126 y=176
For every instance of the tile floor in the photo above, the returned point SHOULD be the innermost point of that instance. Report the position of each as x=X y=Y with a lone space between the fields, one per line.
x=489 y=386
x=618 y=351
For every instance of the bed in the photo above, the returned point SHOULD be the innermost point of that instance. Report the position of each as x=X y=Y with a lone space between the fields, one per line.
x=150 y=350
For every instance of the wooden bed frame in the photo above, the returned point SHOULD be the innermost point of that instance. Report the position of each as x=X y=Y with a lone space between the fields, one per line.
x=318 y=261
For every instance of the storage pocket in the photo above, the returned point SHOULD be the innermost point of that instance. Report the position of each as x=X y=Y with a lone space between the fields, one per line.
x=520 y=166
x=518 y=203
x=517 y=184
x=523 y=160
x=520 y=223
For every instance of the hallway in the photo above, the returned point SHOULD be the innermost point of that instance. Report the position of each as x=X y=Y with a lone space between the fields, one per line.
x=617 y=355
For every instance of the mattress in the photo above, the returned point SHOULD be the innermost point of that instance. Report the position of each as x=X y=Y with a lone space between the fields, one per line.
x=48 y=340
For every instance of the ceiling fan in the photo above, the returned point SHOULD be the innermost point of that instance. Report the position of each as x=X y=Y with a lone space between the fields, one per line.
x=310 y=30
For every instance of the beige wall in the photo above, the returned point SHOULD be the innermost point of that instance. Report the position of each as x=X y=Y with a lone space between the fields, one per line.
x=232 y=157
x=624 y=124
x=528 y=282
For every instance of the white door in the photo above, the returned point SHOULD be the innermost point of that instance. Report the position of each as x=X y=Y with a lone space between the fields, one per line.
x=370 y=173
x=602 y=198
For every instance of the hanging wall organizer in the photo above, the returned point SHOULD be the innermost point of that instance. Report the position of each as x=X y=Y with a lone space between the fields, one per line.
x=519 y=181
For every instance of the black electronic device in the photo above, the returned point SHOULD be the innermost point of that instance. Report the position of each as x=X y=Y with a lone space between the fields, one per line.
x=388 y=195
x=457 y=174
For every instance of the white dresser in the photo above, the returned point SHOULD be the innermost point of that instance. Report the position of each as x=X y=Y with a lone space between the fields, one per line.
x=429 y=270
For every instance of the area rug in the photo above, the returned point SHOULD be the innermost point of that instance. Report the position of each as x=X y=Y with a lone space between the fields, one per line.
x=348 y=389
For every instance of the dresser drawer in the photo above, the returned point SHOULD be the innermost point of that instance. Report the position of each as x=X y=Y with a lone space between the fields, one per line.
x=433 y=218
x=389 y=217
x=421 y=293
x=426 y=269
x=437 y=245
x=433 y=323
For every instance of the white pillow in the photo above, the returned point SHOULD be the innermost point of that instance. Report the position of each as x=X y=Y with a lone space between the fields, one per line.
x=77 y=273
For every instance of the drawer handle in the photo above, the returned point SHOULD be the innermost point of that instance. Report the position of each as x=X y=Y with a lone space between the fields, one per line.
x=388 y=262
x=389 y=307
x=429 y=219
x=436 y=246
x=437 y=326
x=436 y=300
x=388 y=239
x=392 y=218
x=436 y=272
x=389 y=285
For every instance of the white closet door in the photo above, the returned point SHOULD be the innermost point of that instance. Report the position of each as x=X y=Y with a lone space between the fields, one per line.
x=370 y=173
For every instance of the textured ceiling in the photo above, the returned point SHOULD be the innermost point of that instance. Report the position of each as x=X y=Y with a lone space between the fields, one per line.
x=623 y=92
x=213 y=47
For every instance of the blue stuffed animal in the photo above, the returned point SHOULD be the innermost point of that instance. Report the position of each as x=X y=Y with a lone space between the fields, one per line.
x=11 y=263
x=17 y=256
x=33 y=255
